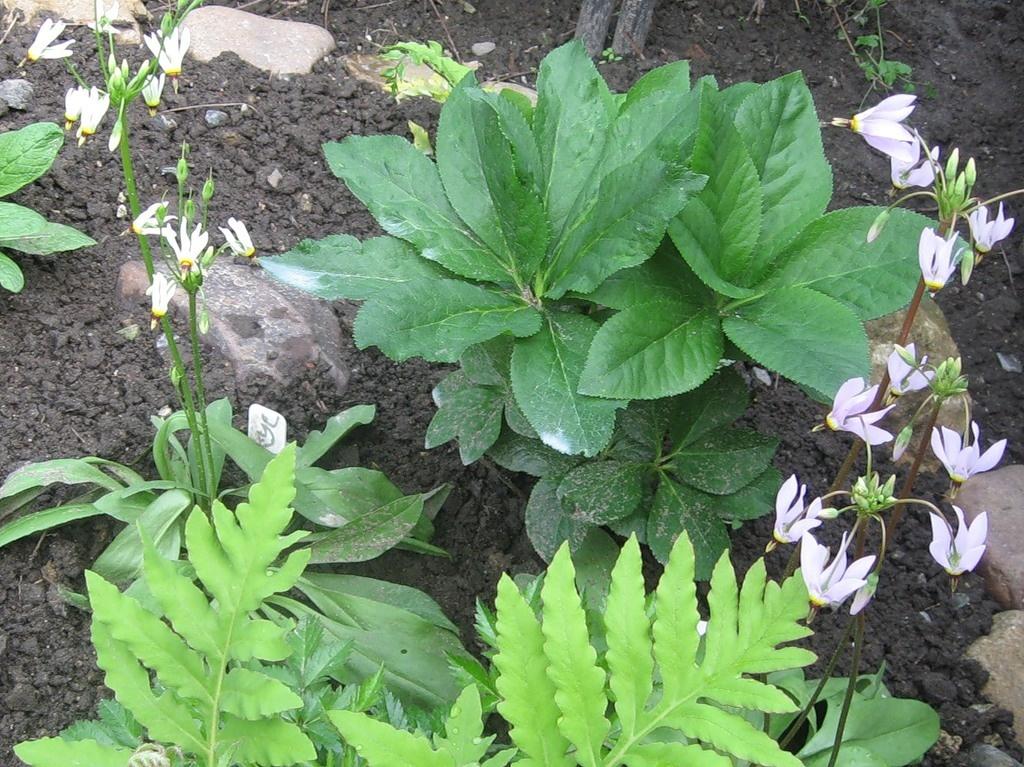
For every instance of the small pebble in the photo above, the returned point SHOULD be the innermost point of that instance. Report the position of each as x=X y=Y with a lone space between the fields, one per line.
x=1009 y=362
x=482 y=49
x=274 y=178
x=17 y=94
x=959 y=600
x=984 y=755
x=122 y=211
x=163 y=122
x=215 y=118
x=763 y=376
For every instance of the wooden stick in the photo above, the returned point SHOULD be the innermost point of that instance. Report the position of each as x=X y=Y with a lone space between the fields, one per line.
x=592 y=26
x=634 y=24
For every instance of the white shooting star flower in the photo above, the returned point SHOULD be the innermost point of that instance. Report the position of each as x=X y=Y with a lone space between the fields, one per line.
x=187 y=248
x=915 y=171
x=960 y=553
x=830 y=584
x=169 y=50
x=881 y=126
x=904 y=377
x=93 y=109
x=850 y=412
x=936 y=259
x=238 y=238
x=987 y=233
x=152 y=220
x=45 y=47
x=963 y=461
x=74 y=101
x=161 y=290
x=793 y=517
x=153 y=91
x=104 y=17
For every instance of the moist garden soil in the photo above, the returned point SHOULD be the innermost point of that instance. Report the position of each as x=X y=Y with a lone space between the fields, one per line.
x=76 y=380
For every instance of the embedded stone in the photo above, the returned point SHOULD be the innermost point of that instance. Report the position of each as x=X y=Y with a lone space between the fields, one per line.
x=82 y=12
x=1001 y=493
x=273 y=45
x=17 y=94
x=263 y=328
x=930 y=335
x=1001 y=653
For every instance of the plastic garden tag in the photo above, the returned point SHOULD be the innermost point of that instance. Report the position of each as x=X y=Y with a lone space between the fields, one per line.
x=267 y=428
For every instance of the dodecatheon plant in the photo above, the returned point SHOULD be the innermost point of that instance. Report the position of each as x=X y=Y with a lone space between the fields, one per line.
x=793 y=517
x=238 y=238
x=864 y=594
x=74 y=101
x=963 y=461
x=905 y=372
x=985 y=233
x=960 y=553
x=935 y=256
x=161 y=290
x=188 y=248
x=829 y=584
x=915 y=171
x=45 y=46
x=94 y=107
x=850 y=412
x=881 y=126
x=152 y=219
x=169 y=50
x=153 y=91
x=104 y=18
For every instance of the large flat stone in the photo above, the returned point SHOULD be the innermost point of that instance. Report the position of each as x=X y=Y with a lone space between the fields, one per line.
x=1002 y=655
x=265 y=329
x=82 y=12
x=1001 y=494
x=930 y=335
x=273 y=45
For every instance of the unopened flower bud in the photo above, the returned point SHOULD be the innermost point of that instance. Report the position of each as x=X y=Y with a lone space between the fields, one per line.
x=966 y=267
x=190 y=209
x=952 y=163
x=970 y=173
x=829 y=513
x=879 y=224
x=181 y=172
x=208 y=188
x=906 y=354
x=204 y=321
x=902 y=442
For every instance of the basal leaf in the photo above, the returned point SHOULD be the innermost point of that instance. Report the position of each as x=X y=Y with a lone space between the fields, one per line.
x=657 y=110
x=664 y=276
x=710 y=407
x=477 y=168
x=385 y=746
x=402 y=189
x=832 y=256
x=439 y=325
x=340 y=266
x=27 y=154
x=517 y=453
x=11 y=278
x=25 y=230
x=653 y=350
x=57 y=752
x=548 y=523
x=472 y=415
x=546 y=372
x=779 y=125
x=678 y=508
x=599 y=492
x=570 y=123
x=751 y=501
x=724 y=461
x=319 y=442
x=804 y=335
x=368 y=535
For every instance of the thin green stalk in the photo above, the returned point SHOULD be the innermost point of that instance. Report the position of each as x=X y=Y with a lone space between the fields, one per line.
x=132 y=192
x=188 y=404
x=793 y=728
x=203 y=438
x=851 y=685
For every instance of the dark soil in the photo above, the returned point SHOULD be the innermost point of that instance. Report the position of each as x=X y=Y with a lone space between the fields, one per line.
x=72 y=385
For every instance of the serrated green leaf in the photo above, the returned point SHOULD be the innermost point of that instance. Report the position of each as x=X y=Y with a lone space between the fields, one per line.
x=23 y=229
x=628 y=633
x=678 y=507
x=724 y=461
x=340 y=266
x=545 y=378
x=599 y=492
x=477 y=168
x=531 y=456
x=251 y=695
x=804 y=335
x=572 y=662
x=713 y=406
x=780 y=126
x=752 y=501
x=658 y=110
x=663 y=754
x=269 y=742
x=11 y=277
x=664 y=276
x=548 y=523
x=441 y=324
x=462 y=739
x=57 y=752
x=26 y=154
x=402 y=189
x=381 y=745
x=472 y=415
x=716 y=232
x=570 y=124
x=731 y=733
x=527 y=692
x=488 y=364
x=653 y=350
x=832 y=256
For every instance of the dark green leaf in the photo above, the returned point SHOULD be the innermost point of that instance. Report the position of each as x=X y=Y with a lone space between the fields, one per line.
x=724 y=461
x=530 y=456
x=664 y=276
x=653 y=350
x=713 y=406
x=11 y=277
x=27 y=154
x=548 y=524
x=368 y=535
x=599 y=492
x=545 y=378
x=441 y=324
x=803 y=334
x=25 y=230
x=319 y=442
x=472 y=415
x=677 y=508
x=752 y=501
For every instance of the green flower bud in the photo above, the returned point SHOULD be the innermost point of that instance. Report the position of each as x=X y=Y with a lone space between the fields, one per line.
x=970 y=173
x=879 y=224
x=952 y=163
x=181 y=172
x=208 y=188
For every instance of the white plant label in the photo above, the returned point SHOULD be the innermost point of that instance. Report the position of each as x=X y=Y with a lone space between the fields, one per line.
x=267 y=428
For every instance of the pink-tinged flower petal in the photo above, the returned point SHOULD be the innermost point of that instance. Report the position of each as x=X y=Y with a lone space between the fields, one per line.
x=942 y=541
x=864 y=595
x=898 y=149
x=990 y=457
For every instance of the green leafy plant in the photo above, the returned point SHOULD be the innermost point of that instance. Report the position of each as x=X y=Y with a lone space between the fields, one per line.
x=658 y=693
x=534 y=253
x=210 y=700
x=448 y=71
x=25 y=155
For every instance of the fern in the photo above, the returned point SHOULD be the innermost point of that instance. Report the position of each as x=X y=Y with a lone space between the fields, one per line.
x=660 y=697
x=193 y=678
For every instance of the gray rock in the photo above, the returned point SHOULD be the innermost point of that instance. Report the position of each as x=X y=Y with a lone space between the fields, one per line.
x=23 y=697
x=17 y=94
x=1001 y=494
x=931 y=336
x=482 y=49
x=274 y=178
x=984 y=755
x=263 y=328
x=215 y=117
x=164 y=123
x=82 y=12
x=273 y=45
x=1010 y=362
x=1001 y=653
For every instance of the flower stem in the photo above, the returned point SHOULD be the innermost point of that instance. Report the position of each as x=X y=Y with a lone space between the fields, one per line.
x=851 y=685
x=128 y=171
x=915 y=467
x=203 y=437
x=188 y=404
x=794 y=727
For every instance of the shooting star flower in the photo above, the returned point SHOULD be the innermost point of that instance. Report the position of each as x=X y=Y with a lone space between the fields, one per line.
x=904 y=377
x=935 y=256
x=169 y=50
x=792 y=517
x=161 y=290
x=881 y=126
x=830 y=584
x=74 y=100
x=94 y=107
x=153 y=91
x=915 y=171
x=187 y=247
x=850 y=412
x=152 y=219
x=45 y=47
x=987 y=233
x=238 y=238
x=960 y=553
x=963 y=461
